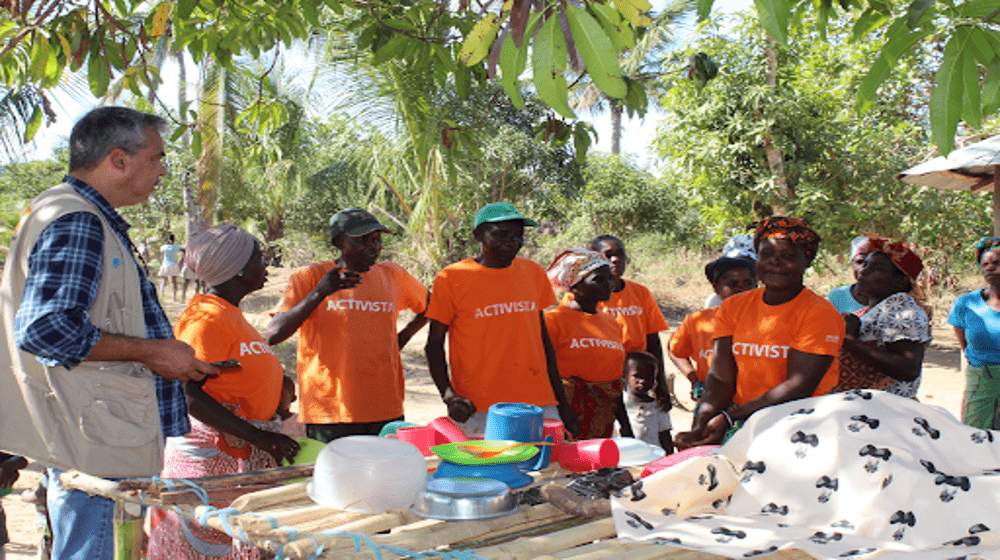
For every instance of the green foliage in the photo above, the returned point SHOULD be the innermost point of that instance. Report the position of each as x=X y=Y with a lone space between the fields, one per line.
x=621 y=199
x=839 y=164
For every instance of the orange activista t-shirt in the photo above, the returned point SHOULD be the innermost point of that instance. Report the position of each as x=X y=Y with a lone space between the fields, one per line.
x=694 y=340
x=495 y=345
x=636 y=311
x=217 y=330
x=349 y=365
x=588 y=346
x=763 y=334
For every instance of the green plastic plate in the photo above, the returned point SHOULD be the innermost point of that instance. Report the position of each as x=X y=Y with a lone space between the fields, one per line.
x=452 y=453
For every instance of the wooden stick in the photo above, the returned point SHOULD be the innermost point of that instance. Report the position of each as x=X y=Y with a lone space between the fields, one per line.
x=215 y=495
x=95 y=486
x=296 y=517
x=257 y=501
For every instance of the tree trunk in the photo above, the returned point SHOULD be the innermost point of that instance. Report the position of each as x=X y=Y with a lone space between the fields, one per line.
x=190 y=202
x=616 y=126
x=775 y=161
x=211 y=125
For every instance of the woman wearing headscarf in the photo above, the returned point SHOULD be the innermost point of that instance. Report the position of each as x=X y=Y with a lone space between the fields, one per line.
x=588 y=344
x=772 y=344
x=846 y=298
x=234 y=426
x=885 y=340
x=690 y=347
x=976 y=320
x=739 y=246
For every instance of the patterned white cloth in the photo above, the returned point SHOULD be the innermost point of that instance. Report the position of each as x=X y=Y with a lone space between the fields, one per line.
x=897 y=317
x=858 y=474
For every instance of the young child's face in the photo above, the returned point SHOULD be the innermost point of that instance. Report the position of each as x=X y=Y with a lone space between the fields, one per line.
x=641 y=377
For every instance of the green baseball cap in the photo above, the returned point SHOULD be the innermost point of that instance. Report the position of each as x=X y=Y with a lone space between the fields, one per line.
x=501 y=212
x=355 y=222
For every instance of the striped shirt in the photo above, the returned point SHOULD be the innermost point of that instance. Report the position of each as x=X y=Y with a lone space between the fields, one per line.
x=64 y=273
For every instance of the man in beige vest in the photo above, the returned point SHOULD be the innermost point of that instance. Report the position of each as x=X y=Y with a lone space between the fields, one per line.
x=94 y=377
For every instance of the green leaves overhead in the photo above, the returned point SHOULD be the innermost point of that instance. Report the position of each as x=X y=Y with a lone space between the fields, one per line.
x=548 y=63
x=597 y=52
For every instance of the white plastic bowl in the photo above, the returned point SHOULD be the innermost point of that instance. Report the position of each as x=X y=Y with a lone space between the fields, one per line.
x=368 y=474
x=635 y=452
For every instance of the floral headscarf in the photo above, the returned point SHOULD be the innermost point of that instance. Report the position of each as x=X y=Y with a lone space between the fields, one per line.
x=571 y=266
x=795 y=230
x=985 y=244
x=901 y=255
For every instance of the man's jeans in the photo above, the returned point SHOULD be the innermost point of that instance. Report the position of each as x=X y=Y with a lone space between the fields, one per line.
x=82 y=525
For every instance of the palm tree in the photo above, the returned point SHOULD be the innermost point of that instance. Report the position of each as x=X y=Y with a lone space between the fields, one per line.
x=640 y=66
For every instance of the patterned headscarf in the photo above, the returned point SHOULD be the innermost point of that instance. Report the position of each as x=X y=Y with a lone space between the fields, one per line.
x=985 y=244
x=901 y=255
x=795 y=230
x=739 y=246
x=571 y=266
x=219 y=253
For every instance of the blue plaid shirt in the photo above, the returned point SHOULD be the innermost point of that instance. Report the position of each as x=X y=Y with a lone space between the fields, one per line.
x=64 y=273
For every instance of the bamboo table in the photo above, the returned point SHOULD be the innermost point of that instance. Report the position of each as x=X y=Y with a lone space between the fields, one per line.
x=278 y=516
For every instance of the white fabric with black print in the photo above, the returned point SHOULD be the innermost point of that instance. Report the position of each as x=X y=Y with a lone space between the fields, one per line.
x=861 y=474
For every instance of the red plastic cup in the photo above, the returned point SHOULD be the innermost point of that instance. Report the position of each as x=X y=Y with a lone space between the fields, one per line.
x=588 y=454
x=553 y=427
x=447 y=431
x=423 y=437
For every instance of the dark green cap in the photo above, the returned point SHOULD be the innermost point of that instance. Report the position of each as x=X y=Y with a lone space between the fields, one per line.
x=501 y=212
x=355 y=222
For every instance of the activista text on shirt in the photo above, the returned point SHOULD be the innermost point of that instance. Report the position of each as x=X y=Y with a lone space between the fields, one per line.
x=524 y=306
x=752 y=350
x=631 y=310
x=360 y=305
x=596 y=343
x=254 y=347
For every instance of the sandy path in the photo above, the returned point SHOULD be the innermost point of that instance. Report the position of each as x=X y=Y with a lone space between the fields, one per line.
x=942 y=385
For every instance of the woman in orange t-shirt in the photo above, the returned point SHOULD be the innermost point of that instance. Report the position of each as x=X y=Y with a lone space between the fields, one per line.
x=588 y=344
x=772 y=345
x=234 y=427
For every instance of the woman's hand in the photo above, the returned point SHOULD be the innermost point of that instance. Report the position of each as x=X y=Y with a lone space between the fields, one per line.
x=709 y=434
x=278 y=445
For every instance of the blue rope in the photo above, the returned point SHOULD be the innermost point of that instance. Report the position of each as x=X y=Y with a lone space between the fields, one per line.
x=293 y=535
x=357 y=538
x=223 y=515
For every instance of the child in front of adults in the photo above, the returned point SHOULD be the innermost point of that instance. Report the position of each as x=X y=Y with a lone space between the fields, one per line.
x=588 y=343
x=490 y=307
x=690 y=347
x=648 y=421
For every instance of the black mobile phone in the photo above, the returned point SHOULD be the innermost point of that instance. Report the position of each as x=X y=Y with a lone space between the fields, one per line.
x=227 y=364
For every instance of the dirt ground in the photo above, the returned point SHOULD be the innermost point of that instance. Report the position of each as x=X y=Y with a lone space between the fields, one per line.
x=942 y=386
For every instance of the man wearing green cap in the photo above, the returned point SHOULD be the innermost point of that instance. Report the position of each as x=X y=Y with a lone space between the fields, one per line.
x=350 y=371
x=491 y=308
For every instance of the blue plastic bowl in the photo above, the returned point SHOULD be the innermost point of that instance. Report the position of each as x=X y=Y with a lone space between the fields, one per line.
x=508 y=473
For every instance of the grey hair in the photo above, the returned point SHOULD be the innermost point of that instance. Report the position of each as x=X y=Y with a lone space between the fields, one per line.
x=107 y=128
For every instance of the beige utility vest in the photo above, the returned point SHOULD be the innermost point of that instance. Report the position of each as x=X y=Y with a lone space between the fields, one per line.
x=100 y=418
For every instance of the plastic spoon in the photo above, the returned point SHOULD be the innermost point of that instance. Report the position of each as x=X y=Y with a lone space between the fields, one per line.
x=482 y=453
